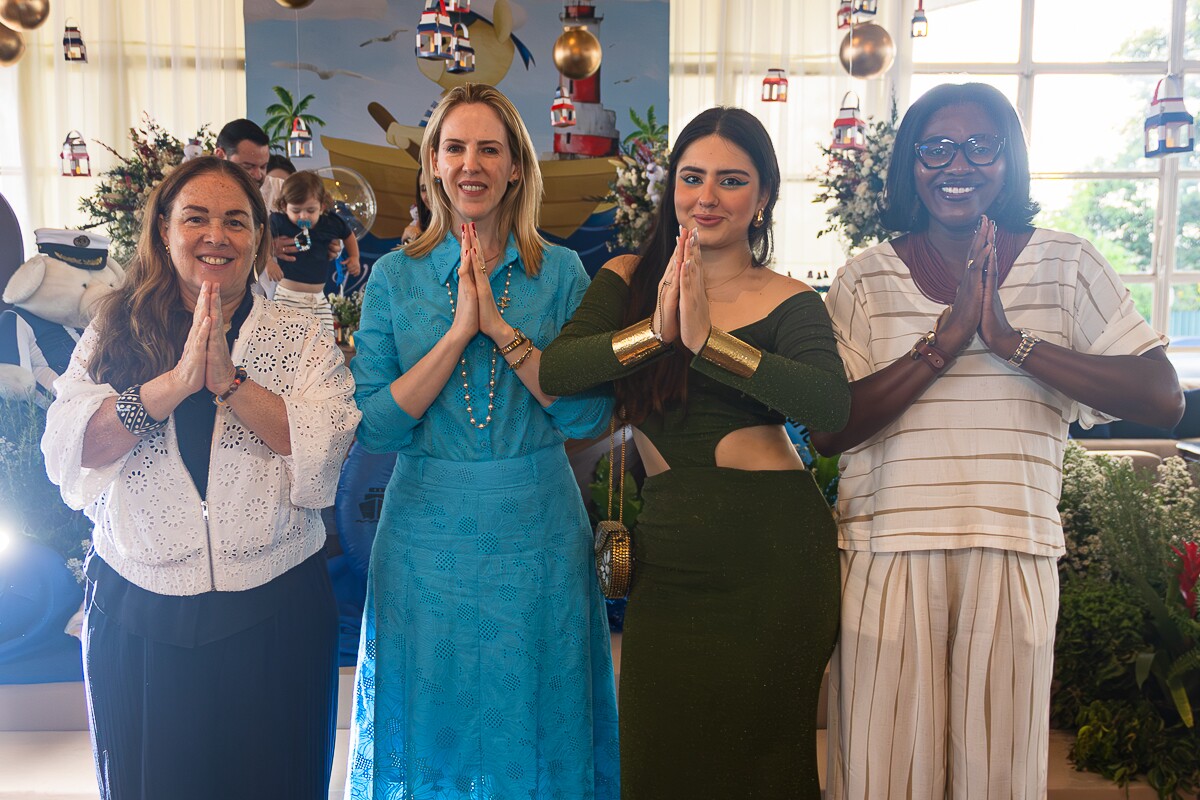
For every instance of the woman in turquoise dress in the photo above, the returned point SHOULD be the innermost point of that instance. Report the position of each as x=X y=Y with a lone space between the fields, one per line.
x=733 y=608
x=485 y=668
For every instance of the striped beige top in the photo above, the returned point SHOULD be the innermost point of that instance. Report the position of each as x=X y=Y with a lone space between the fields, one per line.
x=976 y=460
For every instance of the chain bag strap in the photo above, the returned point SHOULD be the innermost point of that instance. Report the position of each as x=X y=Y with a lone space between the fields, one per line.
x=614 y=548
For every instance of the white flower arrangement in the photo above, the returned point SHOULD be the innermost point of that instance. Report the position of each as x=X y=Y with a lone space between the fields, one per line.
x=638 y=187
x=851 y=185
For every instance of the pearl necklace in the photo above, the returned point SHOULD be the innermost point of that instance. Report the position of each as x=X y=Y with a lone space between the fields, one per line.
x=462 y=362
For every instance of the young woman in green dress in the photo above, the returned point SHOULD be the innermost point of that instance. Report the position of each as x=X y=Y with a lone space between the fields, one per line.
x=733 y=609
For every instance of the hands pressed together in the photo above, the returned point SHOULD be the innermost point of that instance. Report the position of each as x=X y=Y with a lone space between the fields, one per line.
x=475 y=309
x=682 y=309
x=205 y=362
x=977 y=306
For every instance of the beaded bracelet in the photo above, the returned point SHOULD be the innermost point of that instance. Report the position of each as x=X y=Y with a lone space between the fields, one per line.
x=239 y=377
x=133 y=414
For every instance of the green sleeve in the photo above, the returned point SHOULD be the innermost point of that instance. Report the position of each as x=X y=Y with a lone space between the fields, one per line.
x=582 y=356
x=801 y=376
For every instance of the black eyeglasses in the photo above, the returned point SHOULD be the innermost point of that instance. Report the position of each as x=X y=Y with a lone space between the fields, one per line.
x=981 y=150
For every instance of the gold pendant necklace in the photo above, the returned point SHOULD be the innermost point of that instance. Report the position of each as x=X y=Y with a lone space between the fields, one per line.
x=462 y=362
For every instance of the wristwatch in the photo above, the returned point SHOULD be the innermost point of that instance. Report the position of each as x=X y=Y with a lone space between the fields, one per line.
x=925 y=351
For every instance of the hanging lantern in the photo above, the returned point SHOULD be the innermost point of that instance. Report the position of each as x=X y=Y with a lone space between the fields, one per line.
x=300 y=144
x=562 y=110
x=865 y=8
x=458 y=6
x=920 y=23
x=75 y=161
x=1169 y=126
x=774 y=87
x=849 y=129
x=464 y=54
x=73 y=47
x=435 y=36
x=845 y=15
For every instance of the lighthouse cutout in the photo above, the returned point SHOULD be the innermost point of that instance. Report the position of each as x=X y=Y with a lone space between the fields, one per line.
x=594 y=134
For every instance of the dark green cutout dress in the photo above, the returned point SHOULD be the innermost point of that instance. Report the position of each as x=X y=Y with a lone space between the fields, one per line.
x=733 y=610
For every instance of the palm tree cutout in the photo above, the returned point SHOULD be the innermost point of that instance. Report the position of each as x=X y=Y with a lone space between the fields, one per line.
x=281 y=114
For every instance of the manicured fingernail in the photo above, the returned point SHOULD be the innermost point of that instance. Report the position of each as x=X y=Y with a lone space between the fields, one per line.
x=472 y=227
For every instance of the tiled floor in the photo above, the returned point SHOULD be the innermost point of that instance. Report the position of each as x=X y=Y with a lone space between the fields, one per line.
x=45 y=753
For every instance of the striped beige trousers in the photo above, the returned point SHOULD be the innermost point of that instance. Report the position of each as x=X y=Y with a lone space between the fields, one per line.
x=940 y=684
x=314 y=303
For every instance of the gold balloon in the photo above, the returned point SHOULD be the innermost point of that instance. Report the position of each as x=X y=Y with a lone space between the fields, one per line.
x=24 y=14
x=12 y=46
x=867 y=51
x=295 y=3
x=577 y=53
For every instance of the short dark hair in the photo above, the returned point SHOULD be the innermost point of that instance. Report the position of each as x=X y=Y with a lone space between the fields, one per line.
x=299 y=187
x=238 y=131
x=284 y=163
x=902 y=210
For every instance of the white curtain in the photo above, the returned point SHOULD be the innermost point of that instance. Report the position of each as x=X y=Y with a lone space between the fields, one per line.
x=182 y=62
x=720 y=52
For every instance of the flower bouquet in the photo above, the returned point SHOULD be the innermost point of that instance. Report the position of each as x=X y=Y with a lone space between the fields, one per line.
x=347 y=311
x=850 y=183
x=117 y=203
x=637 y=190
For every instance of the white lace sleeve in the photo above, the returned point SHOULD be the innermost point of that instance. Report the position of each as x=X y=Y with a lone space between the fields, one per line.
x=322 y=419
x=76 y=401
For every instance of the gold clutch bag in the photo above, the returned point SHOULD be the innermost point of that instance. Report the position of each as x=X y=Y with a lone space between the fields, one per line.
x=613 y=545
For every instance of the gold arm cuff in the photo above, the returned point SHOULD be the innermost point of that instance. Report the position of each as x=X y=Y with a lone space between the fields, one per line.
x=635 y=343
x=731 y=353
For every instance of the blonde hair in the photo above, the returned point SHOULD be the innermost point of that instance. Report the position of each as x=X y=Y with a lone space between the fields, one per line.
x=519 y=208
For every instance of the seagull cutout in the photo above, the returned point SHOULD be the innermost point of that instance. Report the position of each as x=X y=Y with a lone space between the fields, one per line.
x=390 y=37
x=625 y=80
x=323 y=74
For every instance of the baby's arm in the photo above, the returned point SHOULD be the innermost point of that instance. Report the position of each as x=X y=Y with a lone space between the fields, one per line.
x=352 y=264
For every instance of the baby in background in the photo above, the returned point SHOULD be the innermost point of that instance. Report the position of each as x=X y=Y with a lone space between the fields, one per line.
x=303 y=211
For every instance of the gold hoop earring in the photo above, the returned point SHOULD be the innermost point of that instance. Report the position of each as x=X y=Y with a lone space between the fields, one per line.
x=168 y=248
x=759 y=219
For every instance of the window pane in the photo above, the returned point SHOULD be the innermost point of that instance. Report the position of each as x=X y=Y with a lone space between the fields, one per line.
x=1089 y=122
x=1184 y=324
x=954 y=33
x=1117 y=216
x=1187 y=228
x=1107 y=30
x=1191 y=84
x=1191 y=41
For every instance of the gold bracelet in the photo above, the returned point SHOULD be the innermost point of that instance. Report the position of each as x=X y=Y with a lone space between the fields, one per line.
x=517 y=341
x=516 y=365
x=1028 y=340
x=635 y=343
x=731 y=353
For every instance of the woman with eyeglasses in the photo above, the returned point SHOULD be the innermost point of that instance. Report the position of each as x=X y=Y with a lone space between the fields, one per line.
x=971 y=342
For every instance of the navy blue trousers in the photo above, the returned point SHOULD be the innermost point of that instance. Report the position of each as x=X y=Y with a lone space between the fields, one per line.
x=250 y=714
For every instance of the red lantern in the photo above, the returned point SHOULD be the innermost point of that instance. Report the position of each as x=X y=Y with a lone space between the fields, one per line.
x=562 y=111
x=849 y=129
x=775 y=86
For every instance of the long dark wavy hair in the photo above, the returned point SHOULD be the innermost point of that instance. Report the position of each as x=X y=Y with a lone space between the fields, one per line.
x=1013 y=209
x=664 y=383
x=143 y=325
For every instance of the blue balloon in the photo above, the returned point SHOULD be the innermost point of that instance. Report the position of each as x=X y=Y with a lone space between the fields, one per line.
x=359 y=501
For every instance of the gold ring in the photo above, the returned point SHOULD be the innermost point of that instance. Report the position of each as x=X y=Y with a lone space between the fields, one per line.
x=666 y=283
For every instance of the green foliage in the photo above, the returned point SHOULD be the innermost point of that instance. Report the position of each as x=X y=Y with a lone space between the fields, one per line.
x=1127 y=650
x=281 y=114
x=1123 y=740
x=123 y=190
x=645 y=130
x=598 y=490
x=29 y=502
